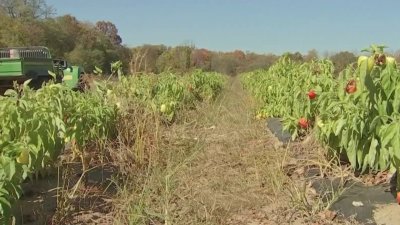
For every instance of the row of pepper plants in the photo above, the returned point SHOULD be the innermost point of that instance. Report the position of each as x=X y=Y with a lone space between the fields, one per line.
x=355 y=114
x=35 y=126
x=167 y=93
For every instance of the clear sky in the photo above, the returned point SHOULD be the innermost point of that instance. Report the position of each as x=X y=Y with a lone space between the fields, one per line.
x=250 y=25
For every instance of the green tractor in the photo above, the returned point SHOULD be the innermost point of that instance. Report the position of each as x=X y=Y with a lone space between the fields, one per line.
x=36 y=63
x=72 y=75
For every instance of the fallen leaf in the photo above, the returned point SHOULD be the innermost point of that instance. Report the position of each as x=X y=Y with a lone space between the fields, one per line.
x=327 y=215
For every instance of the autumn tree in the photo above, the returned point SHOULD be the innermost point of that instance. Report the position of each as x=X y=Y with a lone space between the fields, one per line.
x=255 y=61
x=342 y=59
x=110 y=30
x=239 y=55
x=225 y=63
x=201 y=59
x=311 y=55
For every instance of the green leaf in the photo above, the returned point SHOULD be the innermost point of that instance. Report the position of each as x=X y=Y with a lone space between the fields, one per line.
x=383 y=158
x=10 y=93
x=375 y=123
x=5 y=202
x=97 y=70
x=396 y=145
x=388 y=133
x=373 y=151
x=339 y=126
x=352 y=153
x=10 y=169
x=361 y=152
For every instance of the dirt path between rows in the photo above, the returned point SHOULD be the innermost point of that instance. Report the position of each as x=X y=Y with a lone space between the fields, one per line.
x=236 y=175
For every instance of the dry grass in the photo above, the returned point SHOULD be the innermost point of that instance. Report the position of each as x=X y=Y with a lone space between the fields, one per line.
x=86 y=196
x=237 y=170
x=213 y=165
x=309 y=167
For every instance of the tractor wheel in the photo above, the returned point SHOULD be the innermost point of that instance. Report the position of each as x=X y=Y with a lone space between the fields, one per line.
x=38 y=82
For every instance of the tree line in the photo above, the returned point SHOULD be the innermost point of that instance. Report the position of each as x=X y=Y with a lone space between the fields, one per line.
x=32 y=23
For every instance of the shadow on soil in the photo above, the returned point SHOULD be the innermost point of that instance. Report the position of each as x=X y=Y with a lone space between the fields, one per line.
x=41 y=197
x=357 y=200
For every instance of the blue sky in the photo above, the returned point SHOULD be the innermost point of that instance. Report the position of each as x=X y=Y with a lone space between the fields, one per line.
x=250 y=25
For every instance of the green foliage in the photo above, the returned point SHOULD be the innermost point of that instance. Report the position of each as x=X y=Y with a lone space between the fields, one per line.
x=356 y=115
x=66 y=37
x=35 y=127
x=26 y=9
x=167 y=93
x=175 y=59
x=205 y=86
x=116 y=68
x=282 y=90
x=362 y=125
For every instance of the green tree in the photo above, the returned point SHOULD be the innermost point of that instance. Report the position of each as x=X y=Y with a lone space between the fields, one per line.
x=88 y=58
x=16 y=32
x=297 y=56
x=176 y=59
x=225 y=63
x=255 y=61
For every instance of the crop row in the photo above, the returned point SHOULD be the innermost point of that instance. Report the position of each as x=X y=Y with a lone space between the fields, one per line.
x=355 y=114
x=35 y=126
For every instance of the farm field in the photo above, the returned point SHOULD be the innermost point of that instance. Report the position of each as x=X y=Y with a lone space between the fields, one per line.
x=199 y=113
x=194 y=149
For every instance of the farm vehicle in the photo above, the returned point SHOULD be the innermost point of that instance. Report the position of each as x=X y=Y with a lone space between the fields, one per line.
x=20 y=64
